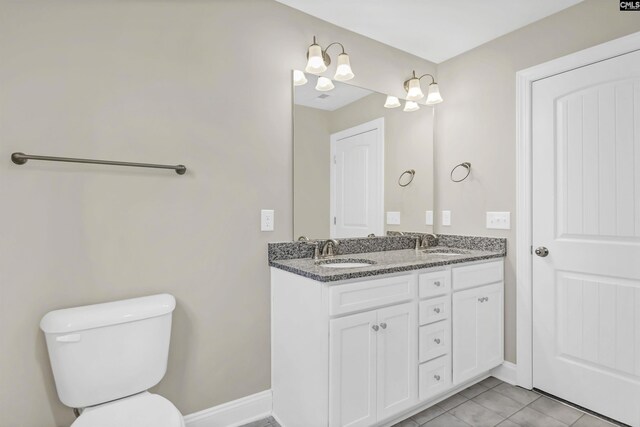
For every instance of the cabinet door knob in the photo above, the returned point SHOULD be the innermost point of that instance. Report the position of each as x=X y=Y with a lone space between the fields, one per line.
x=375 y=328
x=383 y=325
x=437 y=310
x=437 y=283
x=437 y=340
x=436 y=377
x=480 y=299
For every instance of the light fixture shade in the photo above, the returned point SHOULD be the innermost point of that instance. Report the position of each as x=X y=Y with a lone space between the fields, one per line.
x=299 y=78
x=391 y=102
x=415 y=92
x=315 y=62
x=343 y=72
x=324 y=84
x=433 y=96
x=410 y=106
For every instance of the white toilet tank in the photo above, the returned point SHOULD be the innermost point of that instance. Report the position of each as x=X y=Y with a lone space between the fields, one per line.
x=104 y=352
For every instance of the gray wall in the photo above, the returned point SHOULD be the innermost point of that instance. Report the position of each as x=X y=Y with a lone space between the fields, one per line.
x=408 y=145
x=476 y=123
x=204 y=83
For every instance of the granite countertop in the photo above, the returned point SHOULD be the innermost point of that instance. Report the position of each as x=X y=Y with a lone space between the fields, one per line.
x=385 y=262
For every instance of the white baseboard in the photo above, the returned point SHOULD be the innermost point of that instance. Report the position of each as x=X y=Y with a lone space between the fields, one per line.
x=233 y=414
x=506 y=372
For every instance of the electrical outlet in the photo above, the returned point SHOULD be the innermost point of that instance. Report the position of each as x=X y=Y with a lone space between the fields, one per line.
x=393 y=218
x=446 y=217
x=428 y=218
x=267 y=220
x=499 y=220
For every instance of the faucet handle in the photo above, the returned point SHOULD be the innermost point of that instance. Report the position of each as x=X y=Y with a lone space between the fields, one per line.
x=316 y=248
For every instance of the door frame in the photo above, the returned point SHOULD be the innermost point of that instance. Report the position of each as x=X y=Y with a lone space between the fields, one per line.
x=337 y=136
x=524 y=171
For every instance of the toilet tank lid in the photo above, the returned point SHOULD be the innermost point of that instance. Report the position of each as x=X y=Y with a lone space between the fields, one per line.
x=105 y=314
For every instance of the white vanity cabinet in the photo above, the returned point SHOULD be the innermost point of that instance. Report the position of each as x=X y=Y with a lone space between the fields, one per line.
x=363 y=352
x=372 y=365
x=477 y=319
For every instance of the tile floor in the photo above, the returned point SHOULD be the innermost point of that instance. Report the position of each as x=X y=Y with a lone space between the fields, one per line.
x=490 y=403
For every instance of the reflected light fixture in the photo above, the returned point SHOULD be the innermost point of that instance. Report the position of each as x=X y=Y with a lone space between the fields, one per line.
x=324 y=84
x=392 y=102
x=299 y=78
x=410 y=106
x=318 y=60
x=414 y=91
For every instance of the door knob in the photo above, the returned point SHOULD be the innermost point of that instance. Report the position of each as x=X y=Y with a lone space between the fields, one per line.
x=375 y=328
x=542 y=251
x=383 y=325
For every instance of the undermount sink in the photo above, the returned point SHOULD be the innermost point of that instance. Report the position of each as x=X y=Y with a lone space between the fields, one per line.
x=445 y=251
x=346 y=263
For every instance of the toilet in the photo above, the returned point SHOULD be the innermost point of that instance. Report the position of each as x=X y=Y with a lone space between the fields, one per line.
x=105 y=357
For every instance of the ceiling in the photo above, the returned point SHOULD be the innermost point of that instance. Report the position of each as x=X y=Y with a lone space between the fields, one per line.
x=343 y=94
x=435 y=30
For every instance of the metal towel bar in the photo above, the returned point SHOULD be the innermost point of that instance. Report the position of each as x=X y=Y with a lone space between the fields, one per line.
x=21 y=159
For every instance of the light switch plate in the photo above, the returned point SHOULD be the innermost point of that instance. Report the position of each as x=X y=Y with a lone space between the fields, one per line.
x=267 y=220
x=499 y=220
x=393 y=218
x=446 y=217
x=428 y=218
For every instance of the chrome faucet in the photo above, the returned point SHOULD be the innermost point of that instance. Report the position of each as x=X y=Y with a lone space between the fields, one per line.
x=329 y=246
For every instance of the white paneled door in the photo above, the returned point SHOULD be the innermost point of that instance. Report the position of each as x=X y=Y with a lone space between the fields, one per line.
x=357 y=181
x=586 y=236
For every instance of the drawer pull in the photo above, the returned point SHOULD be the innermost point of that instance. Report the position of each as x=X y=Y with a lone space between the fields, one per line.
x=437 y=310
x=437 y=341
x=483 y=299
x=436 y=377
x=375 y=328
x=437 y=283
x=383 y=325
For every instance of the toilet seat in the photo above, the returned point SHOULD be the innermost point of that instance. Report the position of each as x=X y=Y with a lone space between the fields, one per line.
x=140 y=410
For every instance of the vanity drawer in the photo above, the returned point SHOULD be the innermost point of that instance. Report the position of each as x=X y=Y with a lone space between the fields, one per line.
x=370 y=294
x=434 y=377
x=434 y=340
x=477 y=275
x=435 y=283
x=434 y=310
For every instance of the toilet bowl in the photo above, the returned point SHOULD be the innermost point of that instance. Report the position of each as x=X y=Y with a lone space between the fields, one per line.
x=105 y=357
x=141 y=410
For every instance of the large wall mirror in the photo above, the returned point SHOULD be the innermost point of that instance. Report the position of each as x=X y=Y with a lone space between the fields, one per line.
x=359 y=168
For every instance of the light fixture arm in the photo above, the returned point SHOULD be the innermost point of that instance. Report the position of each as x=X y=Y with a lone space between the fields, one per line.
x=433 y=80
x=338 y=43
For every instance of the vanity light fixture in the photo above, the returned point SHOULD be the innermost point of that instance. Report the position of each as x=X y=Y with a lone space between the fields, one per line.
x=318 y=60
x=410 y=106
x=391 y=102
x=299 y=78
x=414 y=91
x=324 y=84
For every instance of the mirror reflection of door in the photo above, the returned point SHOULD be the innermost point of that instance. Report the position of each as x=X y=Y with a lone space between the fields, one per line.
x=357 y=176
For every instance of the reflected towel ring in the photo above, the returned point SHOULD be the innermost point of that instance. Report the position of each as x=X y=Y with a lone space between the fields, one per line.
x=410 y=172
x=465 y=165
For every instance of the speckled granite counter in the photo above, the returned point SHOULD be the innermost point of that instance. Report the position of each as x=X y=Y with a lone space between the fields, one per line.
x=387 y=261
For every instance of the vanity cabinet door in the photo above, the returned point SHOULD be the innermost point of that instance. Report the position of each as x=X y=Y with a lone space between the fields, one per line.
x=352 y=370
x=397 y=359
x=477 y=331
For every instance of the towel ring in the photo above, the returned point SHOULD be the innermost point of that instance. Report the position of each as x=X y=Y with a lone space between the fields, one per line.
x=465 y=165
x=410 y=172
